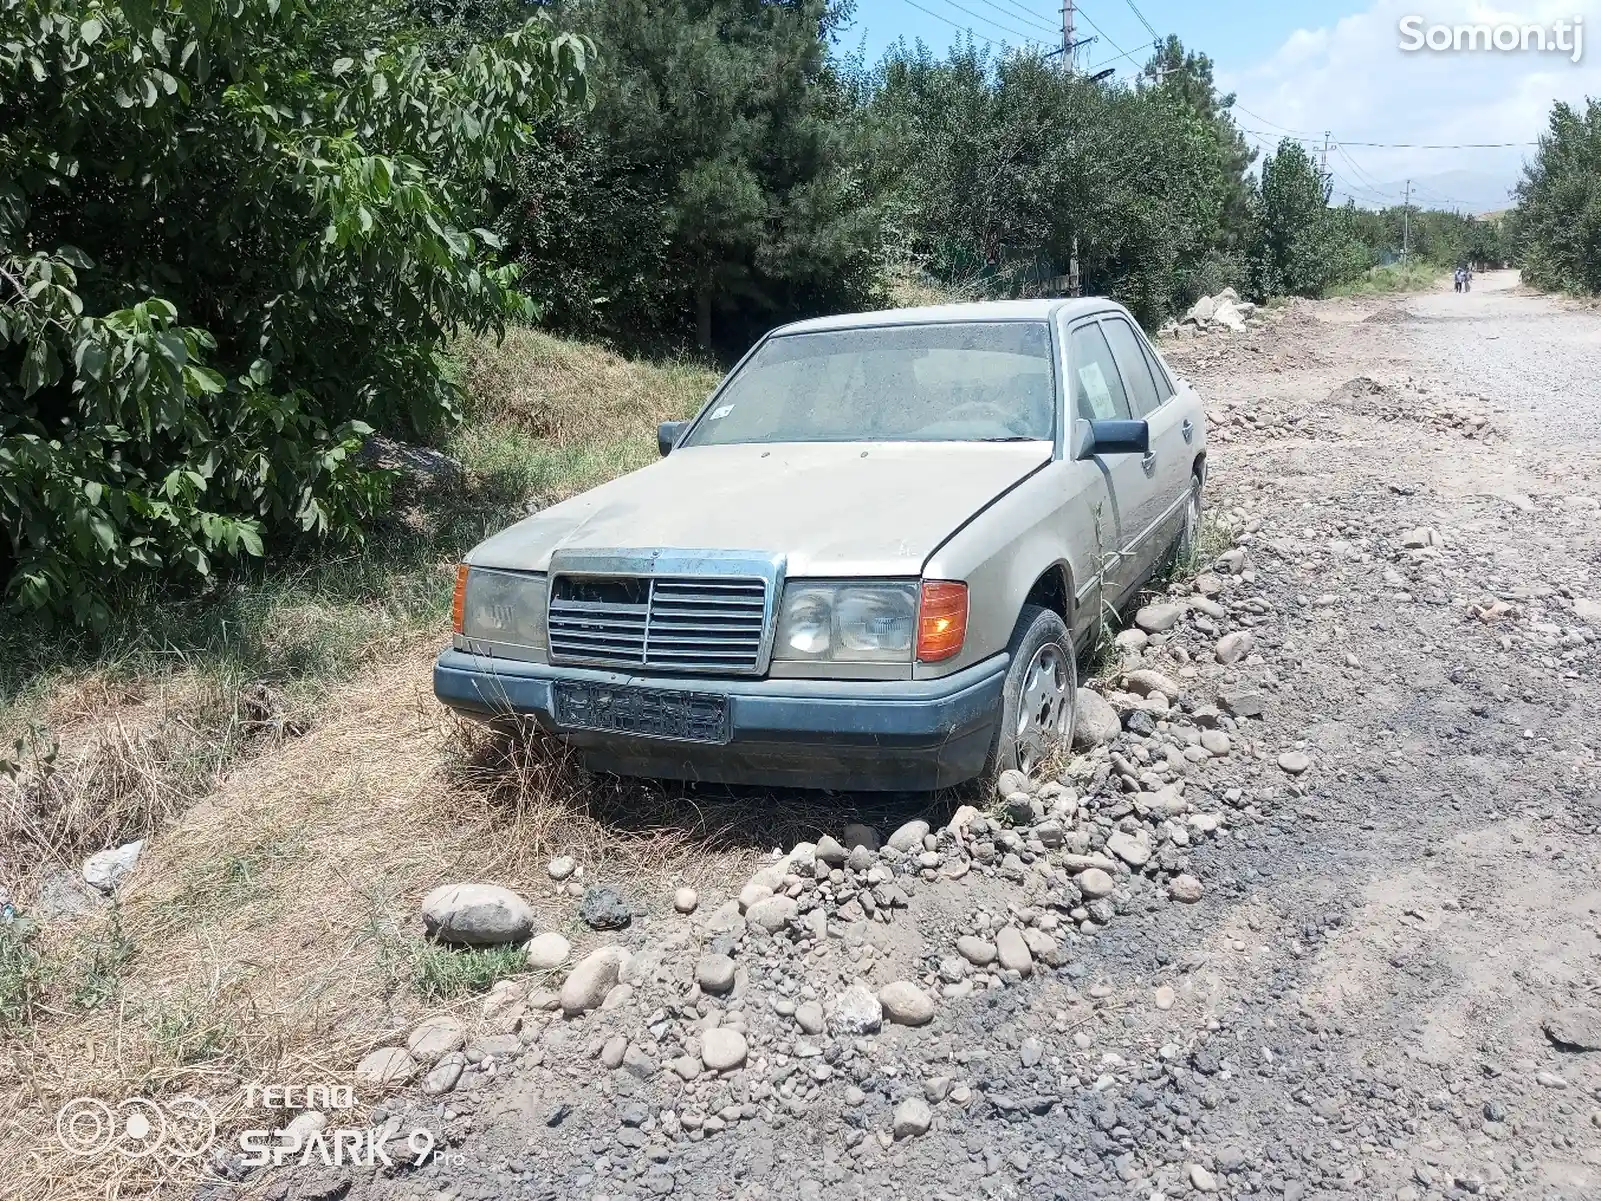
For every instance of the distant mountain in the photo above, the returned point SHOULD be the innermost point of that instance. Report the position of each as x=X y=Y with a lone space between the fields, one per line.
x=1466 y=191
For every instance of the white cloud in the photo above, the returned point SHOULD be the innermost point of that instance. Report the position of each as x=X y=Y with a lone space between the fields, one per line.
x=1354 y=80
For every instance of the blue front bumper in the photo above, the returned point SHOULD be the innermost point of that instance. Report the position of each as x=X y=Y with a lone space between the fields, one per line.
x=839 y=734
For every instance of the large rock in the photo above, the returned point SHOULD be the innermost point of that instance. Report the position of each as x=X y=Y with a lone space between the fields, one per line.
x=1012 y=782
x=1588 y=611
x=1226 y=315
x=1185 y=889
x=587 y=984
x=855 y=1011
x=715 y=974
x=1096 y=723
x=1145 y=681
x=909 y=837
x=604 y=909
x=384 y=1067
x=549 y=950
x=1231 y=648
x=1013 y=951
x=1158 y=619
x=773 y=914
x=1095 y=883
x=1131 y=849
x=722 y=1049
x=1201 y=311
x=975 y=950
x=830 y=852
x=436 y=1037
x=107 y=869
x=905 y=1004
x=1244 y=703
x=476 y=914
x=912 y=1117
x=1579 y=1029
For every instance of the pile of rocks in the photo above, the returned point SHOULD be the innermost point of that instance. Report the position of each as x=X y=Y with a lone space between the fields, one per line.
x=1223 y=313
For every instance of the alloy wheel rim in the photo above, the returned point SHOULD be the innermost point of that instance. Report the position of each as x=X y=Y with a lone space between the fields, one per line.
x=1045 y=706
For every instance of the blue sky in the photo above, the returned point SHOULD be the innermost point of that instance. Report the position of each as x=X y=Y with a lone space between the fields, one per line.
x=1303 y=66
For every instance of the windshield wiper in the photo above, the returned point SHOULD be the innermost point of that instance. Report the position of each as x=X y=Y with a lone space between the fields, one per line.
x=1014 y=438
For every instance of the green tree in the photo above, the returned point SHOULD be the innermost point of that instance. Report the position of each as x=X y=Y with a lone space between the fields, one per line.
x=1558 y=217
x=232 y=239
x=1303 y=246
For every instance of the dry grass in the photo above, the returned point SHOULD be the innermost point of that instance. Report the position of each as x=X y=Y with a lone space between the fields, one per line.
x=909 y=286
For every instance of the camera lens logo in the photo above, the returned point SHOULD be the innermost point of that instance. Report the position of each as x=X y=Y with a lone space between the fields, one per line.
x=177 y=1128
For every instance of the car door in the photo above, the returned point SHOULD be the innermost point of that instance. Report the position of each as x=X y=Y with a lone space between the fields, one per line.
x=1168 y=464
x=1097 y=393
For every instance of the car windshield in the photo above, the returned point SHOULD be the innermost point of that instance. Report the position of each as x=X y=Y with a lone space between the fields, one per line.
x=973 y=381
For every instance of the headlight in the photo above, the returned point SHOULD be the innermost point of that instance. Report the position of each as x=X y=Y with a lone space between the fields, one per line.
x=502 y=606
x=847 y=623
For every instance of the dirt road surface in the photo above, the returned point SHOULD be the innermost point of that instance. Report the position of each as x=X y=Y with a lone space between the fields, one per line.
x=1398 y=862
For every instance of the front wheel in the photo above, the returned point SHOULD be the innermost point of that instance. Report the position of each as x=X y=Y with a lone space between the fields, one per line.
x=1037 y=699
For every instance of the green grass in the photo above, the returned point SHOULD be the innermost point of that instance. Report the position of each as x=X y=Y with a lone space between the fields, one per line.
x=24 y=975
x=1381 y=281
x=100 y=960
x=439 y=973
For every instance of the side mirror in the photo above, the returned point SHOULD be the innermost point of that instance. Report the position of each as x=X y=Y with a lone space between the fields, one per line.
x=1091 y=438
x=667 y=434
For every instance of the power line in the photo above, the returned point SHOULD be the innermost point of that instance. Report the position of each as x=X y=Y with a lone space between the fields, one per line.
x=1122 y=53
x=1151 y=29
x=1274 y=124
x=960 y=28
x=990 y=21
x=1403 y=145
x=1033 y=18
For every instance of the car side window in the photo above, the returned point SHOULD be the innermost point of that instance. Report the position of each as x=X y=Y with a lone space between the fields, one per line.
x=1164 y=383
x=1098 y=393
x=1136 y=370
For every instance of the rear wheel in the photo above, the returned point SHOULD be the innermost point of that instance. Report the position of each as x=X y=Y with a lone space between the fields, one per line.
x=1037 y=700
x=1185 y=543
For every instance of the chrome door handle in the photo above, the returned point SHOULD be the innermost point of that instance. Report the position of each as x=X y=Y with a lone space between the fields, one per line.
x=1189 y=430
x=1149 y=463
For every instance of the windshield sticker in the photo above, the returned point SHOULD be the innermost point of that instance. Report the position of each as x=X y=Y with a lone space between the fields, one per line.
x=1093 y=384
x=721 y=411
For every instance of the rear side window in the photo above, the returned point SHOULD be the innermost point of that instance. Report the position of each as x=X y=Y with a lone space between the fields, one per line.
x=1136 y=370
x=1097 y=387
x=1164 y=385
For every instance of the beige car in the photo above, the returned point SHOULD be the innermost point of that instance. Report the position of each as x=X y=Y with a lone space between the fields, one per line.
x=869 y=562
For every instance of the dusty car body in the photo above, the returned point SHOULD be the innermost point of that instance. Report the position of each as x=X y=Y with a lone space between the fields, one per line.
x=869 y=562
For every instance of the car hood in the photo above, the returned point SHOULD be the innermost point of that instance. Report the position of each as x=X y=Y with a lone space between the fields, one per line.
x=833 y=509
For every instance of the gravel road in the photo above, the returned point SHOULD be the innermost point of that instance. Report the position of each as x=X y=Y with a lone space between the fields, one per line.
x=1396 y=862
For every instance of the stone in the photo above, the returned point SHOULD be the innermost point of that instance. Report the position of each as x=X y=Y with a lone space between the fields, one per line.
x=1550 y=1080
x=1230 y=562
x=1245 y=703
x=1131 y=849
x=1013 y=952
x=1231 y=648
x=975 y=950
x=1095 y=722
x=1019 y=809
x=637 y=1063
x=1012 y=782
x=753 y=894
x=809 y=1017
x=909 y=837
x=685 y=900
x=476 y=915
x=830 y=851
x=442 y=1077
x=715 y=974
x=858 y=834
x=1186 y=889
x=604 y=909
x=722 y=1049
x=1158 y=619
x=105 y=870
x=436 y=1037
x=547 y=951
x=1202 y=1180
x=1165 y=997
x=773 y=914
x=1578 y=1029
x=855 y=1011
x=612 y=1051
x=1216 y=742
x=587 y=984
x=1588 y=611
x=1144 y=682
x=1095 y=883
x=561 y=867
x=1229 y=317
x=385 y=1066
x=903 y=1003
x=912 y=1117
x=1132 y=641
x=1294 y=762
x=1043 y=947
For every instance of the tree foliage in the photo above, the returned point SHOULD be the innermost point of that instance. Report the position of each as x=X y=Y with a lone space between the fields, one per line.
x=1558 y=218
x=232 y=237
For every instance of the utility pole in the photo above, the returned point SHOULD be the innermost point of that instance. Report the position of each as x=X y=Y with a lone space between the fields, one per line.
x=1068 y=47
x=1324 y=173
x=1406 y=223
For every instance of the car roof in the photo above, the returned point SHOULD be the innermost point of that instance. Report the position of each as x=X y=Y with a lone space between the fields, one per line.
x=983 y=310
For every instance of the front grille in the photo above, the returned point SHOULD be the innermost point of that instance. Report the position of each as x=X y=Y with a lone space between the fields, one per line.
x=683 y=623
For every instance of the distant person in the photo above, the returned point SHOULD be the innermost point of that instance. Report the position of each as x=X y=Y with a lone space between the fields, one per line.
x=1456 y=278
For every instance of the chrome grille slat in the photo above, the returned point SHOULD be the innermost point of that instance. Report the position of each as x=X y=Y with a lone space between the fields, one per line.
x=716 y=623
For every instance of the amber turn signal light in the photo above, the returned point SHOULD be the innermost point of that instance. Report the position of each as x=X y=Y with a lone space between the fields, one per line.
x=941 y=620
x=458 y=603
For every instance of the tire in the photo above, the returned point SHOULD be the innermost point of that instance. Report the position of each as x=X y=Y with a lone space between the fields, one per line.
x=1038 y=698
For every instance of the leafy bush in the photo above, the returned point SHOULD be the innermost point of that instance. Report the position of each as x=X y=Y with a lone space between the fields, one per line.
x=1558 y=225
x=232 y=239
